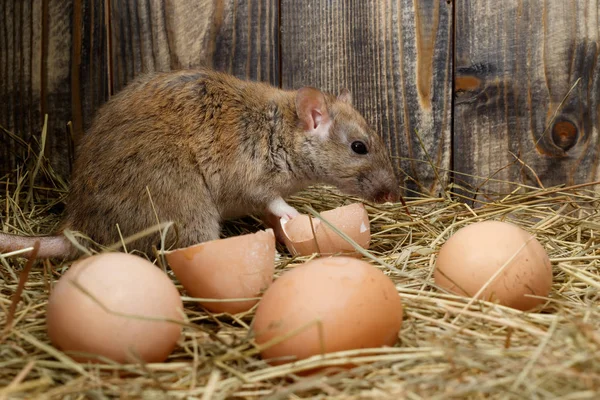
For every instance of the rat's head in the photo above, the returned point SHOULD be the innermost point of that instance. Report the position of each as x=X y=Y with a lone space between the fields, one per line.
x=341 y=149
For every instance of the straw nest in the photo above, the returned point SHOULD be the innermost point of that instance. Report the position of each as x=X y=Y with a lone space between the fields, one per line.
x=447 y=348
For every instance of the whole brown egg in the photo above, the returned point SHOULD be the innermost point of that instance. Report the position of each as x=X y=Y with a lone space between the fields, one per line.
x=509 y=260
x=326 y=305
x=115 y=305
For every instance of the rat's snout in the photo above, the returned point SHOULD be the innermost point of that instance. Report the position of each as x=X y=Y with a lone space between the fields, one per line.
x=387 y=187
x=385 y=196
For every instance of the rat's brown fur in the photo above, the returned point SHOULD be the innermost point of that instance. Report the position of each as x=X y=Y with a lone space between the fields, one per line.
x=196 y=146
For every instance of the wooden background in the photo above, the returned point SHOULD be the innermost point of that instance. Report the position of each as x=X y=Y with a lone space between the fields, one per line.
x=492 y=90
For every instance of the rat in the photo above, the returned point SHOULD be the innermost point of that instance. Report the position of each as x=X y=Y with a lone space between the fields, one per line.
x=198 y=147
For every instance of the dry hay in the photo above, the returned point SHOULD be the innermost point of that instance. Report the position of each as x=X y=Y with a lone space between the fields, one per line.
x=447 y=349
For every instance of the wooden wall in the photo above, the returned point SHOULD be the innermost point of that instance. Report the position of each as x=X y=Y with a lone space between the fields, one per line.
x=527 y=88
x=494 y=90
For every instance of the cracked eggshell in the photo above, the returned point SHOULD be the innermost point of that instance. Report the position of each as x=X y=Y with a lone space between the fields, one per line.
x=352 y=219
x=471 y=257
x=232 y=268
x=326 y=305
x=123 y=283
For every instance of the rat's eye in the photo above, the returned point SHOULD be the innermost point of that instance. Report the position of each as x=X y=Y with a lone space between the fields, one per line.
x=359 y=147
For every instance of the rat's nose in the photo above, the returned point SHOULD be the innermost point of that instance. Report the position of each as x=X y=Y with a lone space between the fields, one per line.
x=384 y=196
x=391 y=197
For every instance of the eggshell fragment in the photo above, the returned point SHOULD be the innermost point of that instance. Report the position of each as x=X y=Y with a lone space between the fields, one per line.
x=352 y=219
x=124 y=284
x=232 y=268
x=340 y=302
x=476 y=252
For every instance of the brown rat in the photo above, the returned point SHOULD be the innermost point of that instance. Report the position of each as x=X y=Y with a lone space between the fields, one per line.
x=197 y=146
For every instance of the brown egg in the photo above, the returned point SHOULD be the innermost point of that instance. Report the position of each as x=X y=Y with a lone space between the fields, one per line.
x=352 y=219
x=355 y=303
x=124 y=284
x=232 y=268
x=476 y=252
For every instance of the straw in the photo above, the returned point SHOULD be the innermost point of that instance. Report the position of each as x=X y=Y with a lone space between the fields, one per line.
x=449 y=346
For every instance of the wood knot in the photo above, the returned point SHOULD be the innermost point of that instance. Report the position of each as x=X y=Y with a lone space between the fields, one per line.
x=564 y=134
x=466 y=83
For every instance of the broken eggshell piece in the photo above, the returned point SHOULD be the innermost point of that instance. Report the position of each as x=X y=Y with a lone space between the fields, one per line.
x=352 y=219
x=232 y=268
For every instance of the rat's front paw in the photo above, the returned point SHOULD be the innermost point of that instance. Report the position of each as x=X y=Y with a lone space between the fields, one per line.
x=279 y=208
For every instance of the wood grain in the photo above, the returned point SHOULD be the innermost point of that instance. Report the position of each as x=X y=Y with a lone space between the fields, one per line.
x=56 y=79
x=20 y=110
x=35 y=53
x=396 y=59
x=67 y=57
x=526 y=79
x=527 y=86
x=239 y=37
x=89 y=62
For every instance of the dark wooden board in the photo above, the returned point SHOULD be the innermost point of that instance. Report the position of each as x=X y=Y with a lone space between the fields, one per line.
x=239 y=37
x=20 y=77
x=89 y=72
x=518 y=114
x=55 y=59
x=37 y=59
x=396 y=59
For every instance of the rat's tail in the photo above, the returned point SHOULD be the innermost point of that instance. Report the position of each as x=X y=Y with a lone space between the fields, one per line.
x=50 y=246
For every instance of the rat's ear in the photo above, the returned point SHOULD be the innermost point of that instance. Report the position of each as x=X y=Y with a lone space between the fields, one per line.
x=345 y=96
x=312 y=111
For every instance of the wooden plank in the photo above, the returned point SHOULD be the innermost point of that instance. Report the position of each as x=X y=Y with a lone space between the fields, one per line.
x=56 y=79
x=235 y=36
x=20 y=111
x=53 y=59
x=246 y=40
x=396 y=59
x=519 y=115
x=35 y=77
x=89 y=72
